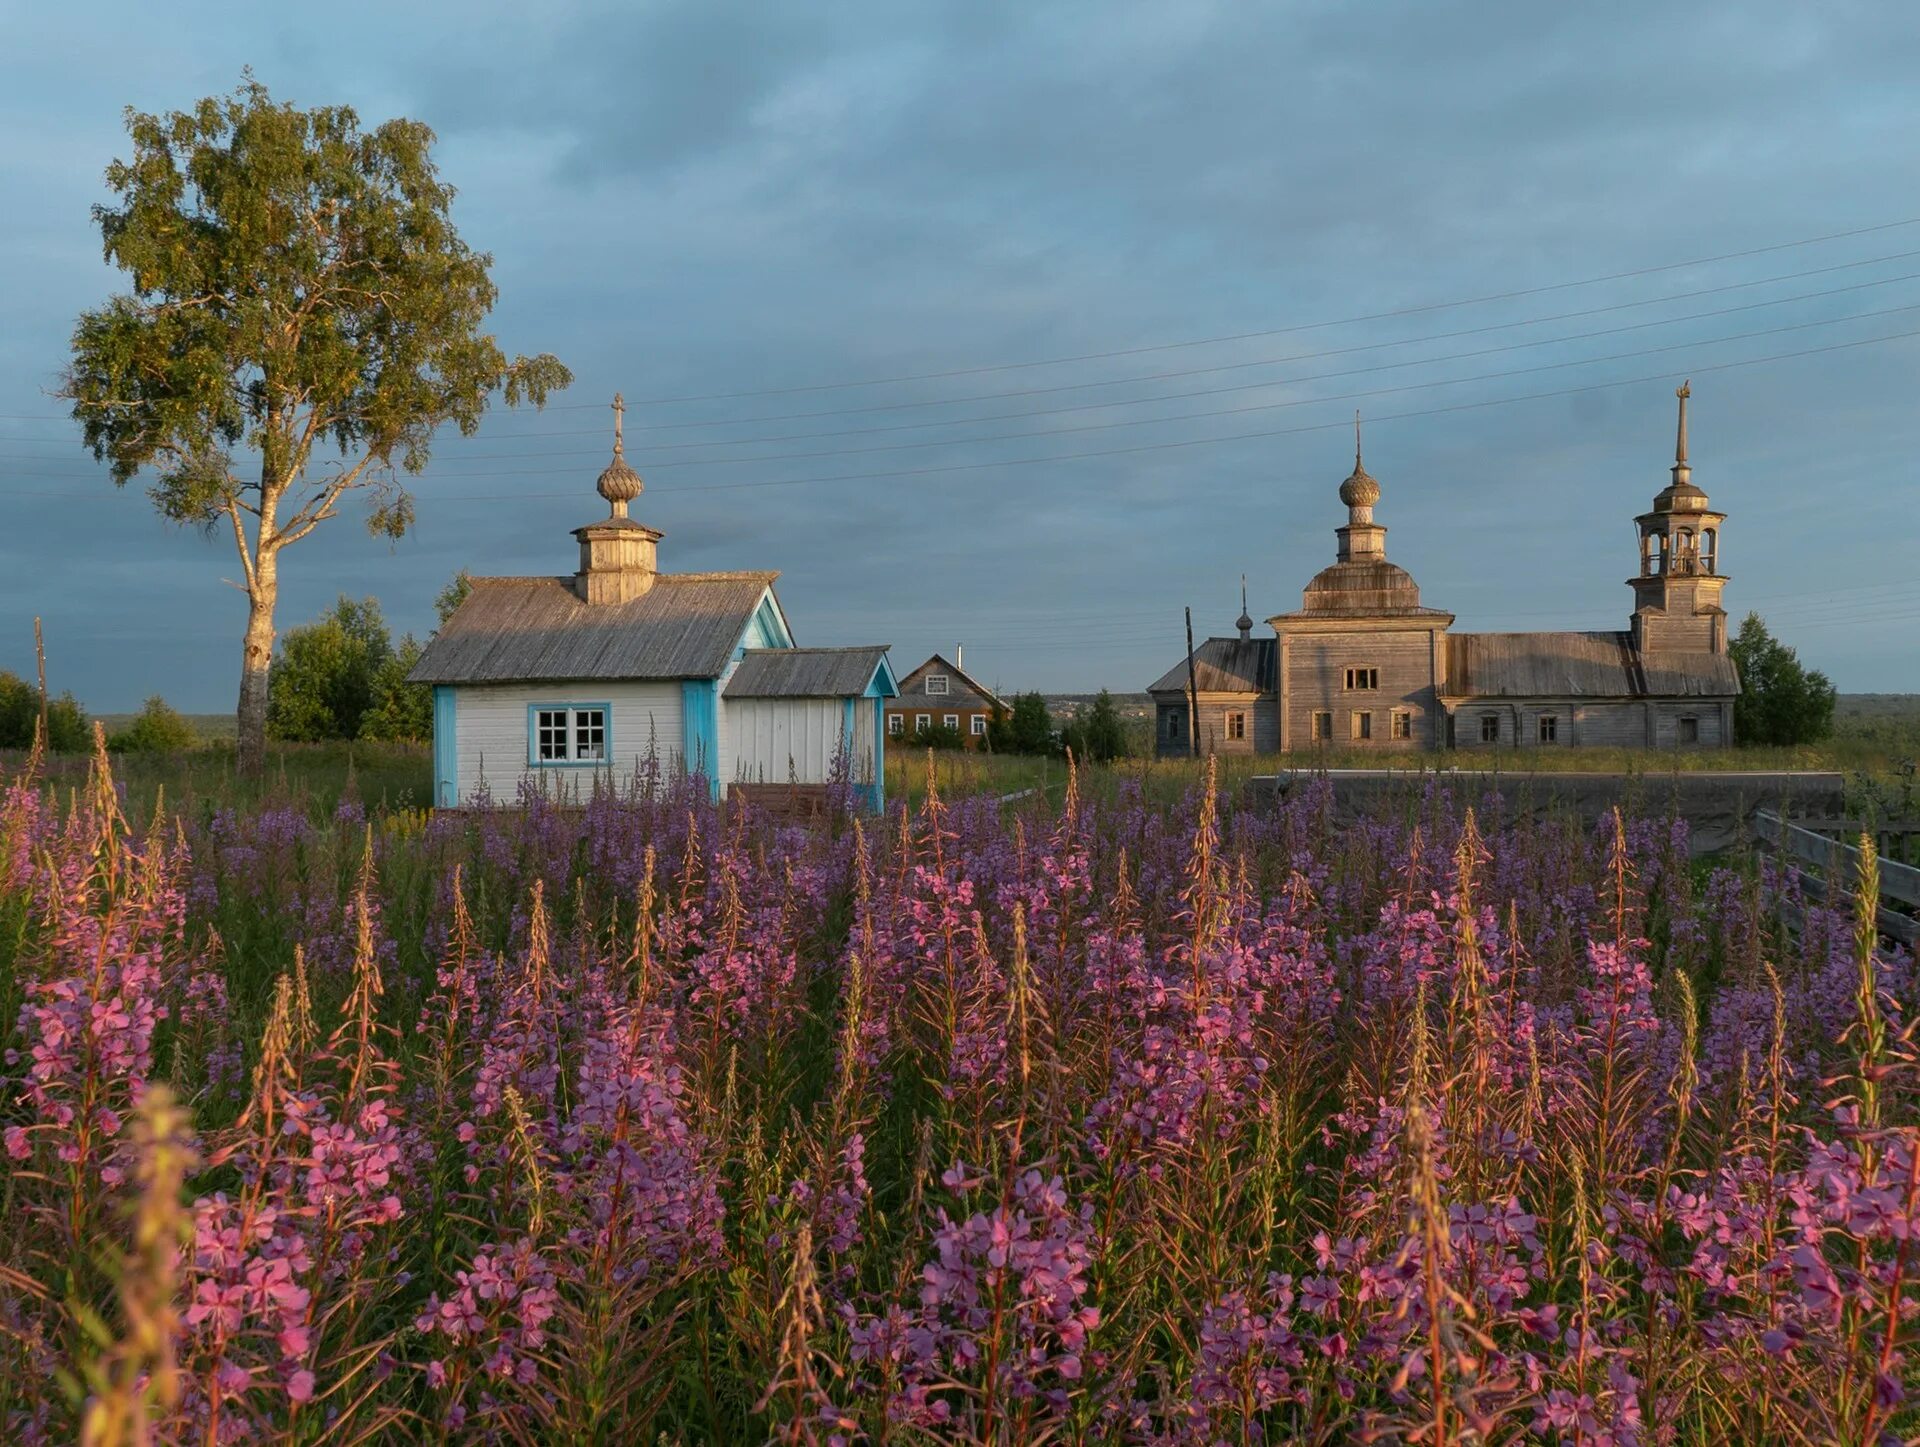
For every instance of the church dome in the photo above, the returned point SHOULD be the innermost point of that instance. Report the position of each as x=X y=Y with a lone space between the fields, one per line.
x=1360 y=489
x=619 y=482
x=1360 y=587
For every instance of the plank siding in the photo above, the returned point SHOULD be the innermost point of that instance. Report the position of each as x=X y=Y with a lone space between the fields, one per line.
x=490 y=735
x=774 y=740
x=1316 y=665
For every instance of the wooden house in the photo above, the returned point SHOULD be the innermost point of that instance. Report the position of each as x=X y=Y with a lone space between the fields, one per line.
x=623 y=671
x=1364 y=665
x=939 y=694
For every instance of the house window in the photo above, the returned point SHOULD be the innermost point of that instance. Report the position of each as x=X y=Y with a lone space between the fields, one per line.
x=936 y=683
x=1362 y=724
x=1402 y=724
x=979 y=726
x=1549 y=727
x=1171 y=718
x=896 y=723
x=922 y=722
x=1236 y=725
x=1360 y=679
x=950 y=721
x=568 y=735
x=1689 y=730
x=1489 y=728
x=1322 y=728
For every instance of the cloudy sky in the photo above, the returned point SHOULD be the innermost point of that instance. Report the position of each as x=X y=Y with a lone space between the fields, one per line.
x=1024 y=325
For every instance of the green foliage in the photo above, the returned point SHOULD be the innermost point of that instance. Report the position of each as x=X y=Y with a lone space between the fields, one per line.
x=1028 y=731
x=296 y=281
x=1101 y=736
x=157 y=730
x=453 y=595
x=400 y=712
x=67 y=729
x=323 y=682
x=1782 y=702
x=933 y=736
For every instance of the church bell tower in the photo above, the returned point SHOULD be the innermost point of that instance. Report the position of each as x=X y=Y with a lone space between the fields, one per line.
x=1676 y=597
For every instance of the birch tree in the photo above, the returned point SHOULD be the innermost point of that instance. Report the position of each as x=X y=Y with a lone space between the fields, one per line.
x=303 y=317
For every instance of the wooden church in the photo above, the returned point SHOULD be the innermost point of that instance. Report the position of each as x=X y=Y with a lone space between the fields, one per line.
x=622 y=671
x=1363 y=665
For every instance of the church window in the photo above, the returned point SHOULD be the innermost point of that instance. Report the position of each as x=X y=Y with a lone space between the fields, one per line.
x=936 y=683
x=1549 y=727
x=1689 y=730
x=1322 y=727
x=1236 y=725
x=1362 y=724
x=1171 y=718
x=1402 y=724
x=1359 y=679
x=1489 y=728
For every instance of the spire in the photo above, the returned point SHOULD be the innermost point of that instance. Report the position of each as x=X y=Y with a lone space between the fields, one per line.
x=1245 y=621
x=619 y=484
x=1682 y=470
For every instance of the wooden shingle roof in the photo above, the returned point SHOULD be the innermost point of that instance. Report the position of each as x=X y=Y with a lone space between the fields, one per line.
x=1225 y=665
x=1579 y=665
x=531 y=630
x=806 y=672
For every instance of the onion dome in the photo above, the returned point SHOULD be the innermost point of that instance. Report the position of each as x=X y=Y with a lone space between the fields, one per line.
x=619 y=484
x=1360 y=489
x=1245 y=621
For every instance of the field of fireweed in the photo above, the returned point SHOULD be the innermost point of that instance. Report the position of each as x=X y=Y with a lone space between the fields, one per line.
x=659 y=1121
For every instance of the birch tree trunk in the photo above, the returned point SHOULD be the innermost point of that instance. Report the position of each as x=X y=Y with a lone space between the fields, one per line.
x=256 y=659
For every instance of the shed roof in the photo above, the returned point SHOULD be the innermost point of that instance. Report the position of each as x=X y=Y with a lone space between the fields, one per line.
x=807 y=672
x=1225 y=665
x=526 y=630
x=1579 y=665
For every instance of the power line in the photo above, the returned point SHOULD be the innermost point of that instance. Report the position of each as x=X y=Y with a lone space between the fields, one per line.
x=1278 y=331
x=1284 y=405
x=1175 y=396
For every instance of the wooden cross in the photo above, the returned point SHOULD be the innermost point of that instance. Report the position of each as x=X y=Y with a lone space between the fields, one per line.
x=619 y=416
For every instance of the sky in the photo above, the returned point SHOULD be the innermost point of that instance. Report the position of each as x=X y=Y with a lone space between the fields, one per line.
x=1024 y=326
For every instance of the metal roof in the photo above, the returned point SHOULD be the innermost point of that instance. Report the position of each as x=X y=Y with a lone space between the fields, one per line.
x=806 y=672
x=1579 y=665
x=1225 y=665
x=527 y=630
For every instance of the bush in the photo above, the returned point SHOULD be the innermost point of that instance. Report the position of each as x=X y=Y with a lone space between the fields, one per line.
x=322 y=684
x=67 y=728
x=157 y=730
x=1100 y=736
x=1781 y=700
x=401 y=712
x=936 y=737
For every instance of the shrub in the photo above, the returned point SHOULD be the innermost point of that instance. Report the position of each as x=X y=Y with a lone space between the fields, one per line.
x=158 y=729
x=1781 y=700
x=323 y=681
x=67 y=727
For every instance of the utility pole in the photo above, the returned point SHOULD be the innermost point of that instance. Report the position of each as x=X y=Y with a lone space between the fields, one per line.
x=40 y=658
x=1193 y=696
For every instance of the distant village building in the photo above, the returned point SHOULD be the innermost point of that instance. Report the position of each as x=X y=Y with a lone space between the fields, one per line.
x=939 y=694
x=1363 y=665
x=622 y=669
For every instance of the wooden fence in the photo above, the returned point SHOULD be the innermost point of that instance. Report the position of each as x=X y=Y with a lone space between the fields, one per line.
x=1809 y=843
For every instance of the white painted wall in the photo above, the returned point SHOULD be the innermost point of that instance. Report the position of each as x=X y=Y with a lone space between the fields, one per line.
x=490 y=734
x=772 y=740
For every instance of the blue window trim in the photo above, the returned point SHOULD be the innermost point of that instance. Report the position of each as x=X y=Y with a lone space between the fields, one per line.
x=446 y=765
x=534 y=761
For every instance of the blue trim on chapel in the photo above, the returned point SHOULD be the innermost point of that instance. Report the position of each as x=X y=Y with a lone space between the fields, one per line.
x=446 y=768
x=700 y=729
